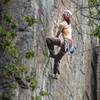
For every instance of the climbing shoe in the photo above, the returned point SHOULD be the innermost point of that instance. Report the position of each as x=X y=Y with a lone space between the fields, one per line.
x=22 y=83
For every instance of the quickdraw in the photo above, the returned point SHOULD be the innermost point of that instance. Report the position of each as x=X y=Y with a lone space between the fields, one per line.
x=69 y=48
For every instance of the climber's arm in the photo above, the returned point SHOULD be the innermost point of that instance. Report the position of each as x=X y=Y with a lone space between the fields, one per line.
x=59 y=30
x=58 y=33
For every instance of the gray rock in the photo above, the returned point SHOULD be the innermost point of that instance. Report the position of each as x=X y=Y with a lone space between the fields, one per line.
x=76 y=71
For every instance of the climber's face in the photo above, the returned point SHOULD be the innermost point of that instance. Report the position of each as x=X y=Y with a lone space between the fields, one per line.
x=67 y=14
x=65 y=17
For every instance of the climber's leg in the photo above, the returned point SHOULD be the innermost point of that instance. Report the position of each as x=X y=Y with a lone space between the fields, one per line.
x=58 y=58
x=51 y=41
x=56 y=66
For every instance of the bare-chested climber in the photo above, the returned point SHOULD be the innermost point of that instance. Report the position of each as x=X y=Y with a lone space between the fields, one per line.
x=66 y=30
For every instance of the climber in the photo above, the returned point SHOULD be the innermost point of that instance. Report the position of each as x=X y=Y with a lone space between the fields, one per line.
x=66 y=44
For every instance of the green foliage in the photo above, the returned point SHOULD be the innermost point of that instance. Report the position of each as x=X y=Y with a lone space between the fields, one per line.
x=94 y=13
x=30 y=20
x=2 y=32
x=7 y=38
x=39 y=97
x=7 y=96
x=28 y=78
x=15 y=69
x=32 y=81
x=6 y=1
x=8 y=19
x=96 y=32
x=6 y=35
x=12 y=85
x=90 y=23
x=14 y=25
x=36 y=98
x=98 y=13
x=29 y=54
x=92 y=2
x=44 y=93
x=12 y=50
x=10 y=35
x=33 y=84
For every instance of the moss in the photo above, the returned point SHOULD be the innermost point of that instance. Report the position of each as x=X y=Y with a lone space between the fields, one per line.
x=12 y=51
x=8 y=19
x=44 y=93
x=32 y=81
x=7 y=95
x=36 y=98
x=6 y=1
x=41 y=94
x=30 y=20
x=15 y=69
x=29 y=54
x=96 y=32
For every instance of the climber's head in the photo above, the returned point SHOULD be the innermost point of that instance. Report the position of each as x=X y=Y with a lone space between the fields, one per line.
x=67 y=14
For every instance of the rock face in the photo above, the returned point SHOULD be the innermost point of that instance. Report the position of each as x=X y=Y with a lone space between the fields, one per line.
x=98 y=75
x=76 y=79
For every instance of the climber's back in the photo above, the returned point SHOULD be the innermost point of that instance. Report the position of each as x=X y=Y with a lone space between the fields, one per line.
x=66 y=30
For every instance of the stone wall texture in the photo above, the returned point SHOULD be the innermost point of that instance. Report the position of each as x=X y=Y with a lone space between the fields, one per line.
x=76 y=79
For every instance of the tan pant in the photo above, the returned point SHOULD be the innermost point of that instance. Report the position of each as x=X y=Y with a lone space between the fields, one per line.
x=51 y=42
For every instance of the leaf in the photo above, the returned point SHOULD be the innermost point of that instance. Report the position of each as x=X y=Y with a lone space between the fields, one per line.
x=10 y=35
x=36 y=98
x=44 y=93
x=12 y=69
x=15 y=69
x=28 y=78
x=96 y=32
x=12 y=51
x=29 y=54
x=12 y=85
x=22 y=69
x=30 y=20
x=6 y=1
x=2 y=32
x=33 y=84
x=8 y=18
x=14 y=25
